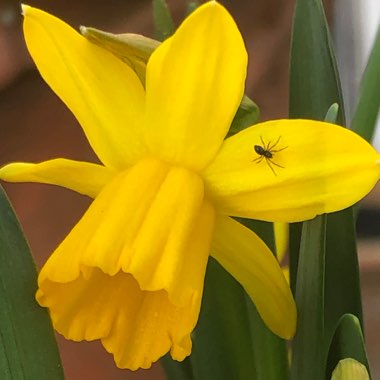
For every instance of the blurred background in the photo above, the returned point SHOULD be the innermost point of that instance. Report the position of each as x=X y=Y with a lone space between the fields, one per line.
x=35 y=126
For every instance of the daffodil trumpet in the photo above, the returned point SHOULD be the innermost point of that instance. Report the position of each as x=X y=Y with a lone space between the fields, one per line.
x=131 y=272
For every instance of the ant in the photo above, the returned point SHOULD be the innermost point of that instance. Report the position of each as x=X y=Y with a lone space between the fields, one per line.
x=266 y=151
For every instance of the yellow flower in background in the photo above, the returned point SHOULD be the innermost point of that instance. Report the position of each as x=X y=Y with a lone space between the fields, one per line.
x=131 y=272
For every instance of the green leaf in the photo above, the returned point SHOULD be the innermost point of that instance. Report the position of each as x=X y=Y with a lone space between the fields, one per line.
x=314 y=80
x=367 y=110
x=342 y=285
x=308 y=349
x=350 y=369
x=133 y=49
x=295 y=231
x=314 y=86
x=270 y=351
x=247 y=115
x=28 y=348
x=348 y=342
x=177 y=370
x=296 y=228
x=222 y=347
x=163 y=22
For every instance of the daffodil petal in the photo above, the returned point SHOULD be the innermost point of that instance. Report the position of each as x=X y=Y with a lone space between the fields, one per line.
x=83 y=177
x=137 y=327
x=103 y=93
x=315 y=168
x=286 y=273
x=194 y=85
x=243 y=254
x=281 y=238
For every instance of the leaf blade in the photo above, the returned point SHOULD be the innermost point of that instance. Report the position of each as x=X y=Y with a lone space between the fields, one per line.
x=347 y=342
x=28 y=344
x=308 y=347
x=314 y=79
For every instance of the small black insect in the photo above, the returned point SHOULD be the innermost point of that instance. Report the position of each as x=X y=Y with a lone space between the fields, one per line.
x=266 y=151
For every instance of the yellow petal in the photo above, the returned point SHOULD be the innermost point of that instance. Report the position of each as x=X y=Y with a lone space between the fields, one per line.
x=242 y=253
x=104 y=93
x=194 y=85
x=151 y=221
x=83 y=177
x=137 y=327
x=323 y=168
x=281 y=237
x=286 y=273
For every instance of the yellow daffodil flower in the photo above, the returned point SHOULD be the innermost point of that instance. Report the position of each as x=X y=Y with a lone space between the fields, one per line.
x=131 y=272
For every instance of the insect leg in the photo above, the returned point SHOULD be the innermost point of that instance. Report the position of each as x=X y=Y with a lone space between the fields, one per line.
x=258 y=159
x=275 y=163
x=275 y=144
x=262 y=142
x=269 y=164
x=279 y=150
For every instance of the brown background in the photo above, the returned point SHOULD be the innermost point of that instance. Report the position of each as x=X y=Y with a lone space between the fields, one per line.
x=35 y=126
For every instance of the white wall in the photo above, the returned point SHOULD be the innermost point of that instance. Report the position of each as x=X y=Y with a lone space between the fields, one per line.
x=356 y=23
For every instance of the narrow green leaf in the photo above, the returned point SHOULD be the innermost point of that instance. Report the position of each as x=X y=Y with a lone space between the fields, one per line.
x=222 y=346
x=163 y=22
x=270 y=351
x=28 y=349
x=367 y=110
x=314 y=79
x=295 y=231
x=314 y=86
x=247 y=115
x=341 y=238
x=308 y=352
x=342 y=284
x=348 y=342
x=296 y=228
x=350 y=369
